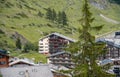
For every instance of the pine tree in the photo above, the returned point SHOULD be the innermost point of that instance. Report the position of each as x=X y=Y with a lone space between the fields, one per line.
x=59 y=17
x=86 y=50
x=64 y=18
x=27 y=47
x=40 y=14
x=54 y=16
x=18 y=43
x=49 y=14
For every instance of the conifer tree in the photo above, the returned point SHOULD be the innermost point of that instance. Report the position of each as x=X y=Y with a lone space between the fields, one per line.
x=40 y=14
x=18 y=43
x=49 y=14
x=85 y=52
x=59 y=17
x=27 y=47
x=54 y=17
x=64 y=18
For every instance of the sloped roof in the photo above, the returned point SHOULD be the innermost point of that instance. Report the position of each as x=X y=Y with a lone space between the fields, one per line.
x=105 y=61
x=113 y=42
x=57 y=67
x=58 y=53
x=3 y=52
x=31 y=71
x=60 y=35
x=21 y=60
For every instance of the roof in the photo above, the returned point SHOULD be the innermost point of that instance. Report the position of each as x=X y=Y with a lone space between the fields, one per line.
x=115 y=59
x=58 y=53
x=60 y=35
x=31 y=71
x=114 y=42
x=57 y=67
x=110 y=60
x=21 y=60
x=105 y=61
x=3 y=52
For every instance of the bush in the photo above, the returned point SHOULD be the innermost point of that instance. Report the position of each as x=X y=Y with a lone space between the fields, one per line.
x=18 y=43
x=2 y=32
x=0 y=75
x=29 y=46
x=40 y=14
x=22 y=14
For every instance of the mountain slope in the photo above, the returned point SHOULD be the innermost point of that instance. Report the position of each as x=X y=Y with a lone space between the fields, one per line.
x=28 y=17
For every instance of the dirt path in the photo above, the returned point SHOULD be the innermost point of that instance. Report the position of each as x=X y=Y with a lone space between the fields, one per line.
x=109 y=19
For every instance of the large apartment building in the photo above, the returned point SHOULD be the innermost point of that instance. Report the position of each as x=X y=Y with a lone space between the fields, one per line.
x=112 y=45
x=61 y=59
x=53 y=43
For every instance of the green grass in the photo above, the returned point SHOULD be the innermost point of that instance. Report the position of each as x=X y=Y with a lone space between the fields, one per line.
x=16 y=23
x=11 y=22
x=33 y=55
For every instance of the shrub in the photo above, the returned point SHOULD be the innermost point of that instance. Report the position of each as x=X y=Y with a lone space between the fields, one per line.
x=2 y=32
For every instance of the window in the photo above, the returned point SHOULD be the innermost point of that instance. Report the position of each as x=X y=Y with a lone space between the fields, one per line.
x=41 y=46
x=41 y=43
x=46 y=50
x=2 y=62
x=41 y=50
x=46 y=46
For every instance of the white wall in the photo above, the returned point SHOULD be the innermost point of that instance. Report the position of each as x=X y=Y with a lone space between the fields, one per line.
x=44 y=45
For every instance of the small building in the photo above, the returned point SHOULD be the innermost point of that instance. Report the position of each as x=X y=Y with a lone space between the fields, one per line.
x=30 y=71
x=53 y=43
x=21 y=63
x=4 y=58
x=61 y=59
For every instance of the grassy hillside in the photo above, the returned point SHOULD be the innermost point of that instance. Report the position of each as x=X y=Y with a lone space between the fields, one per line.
x=22 y=16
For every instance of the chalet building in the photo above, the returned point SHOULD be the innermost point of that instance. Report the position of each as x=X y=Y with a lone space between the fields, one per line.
x=61 y=59
x=112 y=45
x=4 y=59
x=53 y=43
x=21 y=63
